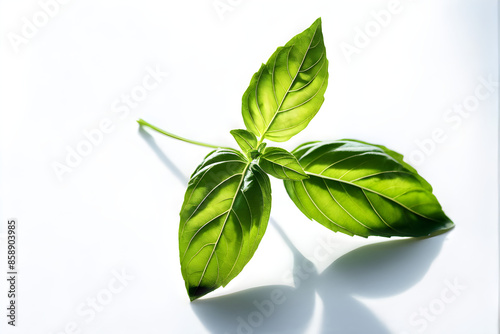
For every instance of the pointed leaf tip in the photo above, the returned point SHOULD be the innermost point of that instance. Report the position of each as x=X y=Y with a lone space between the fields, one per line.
x=245 y=139
x=281 y=164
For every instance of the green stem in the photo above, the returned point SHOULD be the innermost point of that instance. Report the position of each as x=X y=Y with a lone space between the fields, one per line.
x=261 y=140
x=171 y=135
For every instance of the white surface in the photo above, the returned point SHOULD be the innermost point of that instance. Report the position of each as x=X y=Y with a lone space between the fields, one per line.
x=118 y=209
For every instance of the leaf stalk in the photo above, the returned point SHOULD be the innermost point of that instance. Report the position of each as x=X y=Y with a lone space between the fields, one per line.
x=171 y=135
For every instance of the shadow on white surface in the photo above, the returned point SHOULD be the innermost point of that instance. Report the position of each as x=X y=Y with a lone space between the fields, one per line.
x=163 y=158
x=373 y=271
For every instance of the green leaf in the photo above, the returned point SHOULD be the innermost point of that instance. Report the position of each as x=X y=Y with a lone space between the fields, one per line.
x=287 y=91
x=246 y=140
x=261 y=147
x=223 y=218
x=282 y=164
x=363 y=189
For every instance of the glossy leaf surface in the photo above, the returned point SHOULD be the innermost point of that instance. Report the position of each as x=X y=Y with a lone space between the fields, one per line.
x=245 y=139
x=287 y=91
x=280 y=163
x=223 y=218
x=363 y=189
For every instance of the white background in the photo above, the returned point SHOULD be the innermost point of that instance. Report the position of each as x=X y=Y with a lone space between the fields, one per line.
x=117 y=210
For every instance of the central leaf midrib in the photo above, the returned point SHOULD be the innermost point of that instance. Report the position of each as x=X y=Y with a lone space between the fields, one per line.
x=289 y=87
x=225 y=220
x=373 y=192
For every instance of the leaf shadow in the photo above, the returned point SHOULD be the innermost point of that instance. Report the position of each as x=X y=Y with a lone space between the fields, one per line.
x=162 y=156
x=373 y=271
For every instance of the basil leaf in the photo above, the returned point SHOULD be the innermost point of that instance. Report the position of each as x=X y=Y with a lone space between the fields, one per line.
x=223 y=218
x=261 y=147
x=363 y=189
x=282 y=164
x=246 y=140
x=287 y=91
